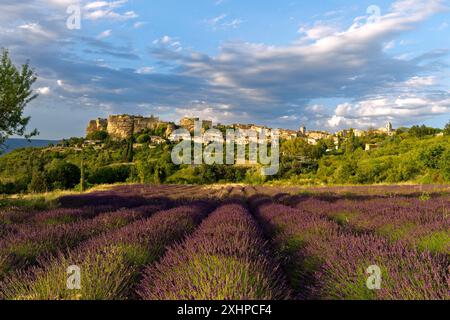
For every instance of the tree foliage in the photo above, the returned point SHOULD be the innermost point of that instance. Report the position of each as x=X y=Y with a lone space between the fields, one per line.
x=15 y=94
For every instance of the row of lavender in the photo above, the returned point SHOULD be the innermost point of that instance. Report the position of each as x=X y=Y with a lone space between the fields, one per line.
x=25 y=246
x=326 y=261
x=27 y=237
x=226 y=258
x=110 y=263
x=422 y=223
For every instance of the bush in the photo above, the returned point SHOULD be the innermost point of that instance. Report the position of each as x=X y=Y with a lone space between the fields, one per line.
x=38 y=183
x=143 y=138
x=422 y=131
x=62 y=175
x=110 y=174
x=97 y=135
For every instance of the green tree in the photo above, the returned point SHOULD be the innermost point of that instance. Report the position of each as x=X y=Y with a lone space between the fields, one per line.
x=97 y=135
x=447 y=129
x=38 y=183
x=15 y=94
x=143 y=138
x=422 y=131
x=62 y=174
x=431 y=157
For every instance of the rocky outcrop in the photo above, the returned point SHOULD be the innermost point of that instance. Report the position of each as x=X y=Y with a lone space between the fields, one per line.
x=123 y=126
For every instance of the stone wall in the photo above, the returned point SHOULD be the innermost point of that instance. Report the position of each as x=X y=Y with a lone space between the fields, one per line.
x=189 y=123
x=96 y=125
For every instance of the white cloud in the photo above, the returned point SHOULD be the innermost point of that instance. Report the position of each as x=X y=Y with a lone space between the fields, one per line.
x=235 y=23
x=389 y=45
x=107 y=10
x=36 y=30
x=420 y=81
x=43 y=90
x=104 y=34
x=145 y=70
x=168 y=42
x=318 y=31
x=376 y=111
x=443 y=26
x=221 y=22
x=139 y=24
x=289 y=118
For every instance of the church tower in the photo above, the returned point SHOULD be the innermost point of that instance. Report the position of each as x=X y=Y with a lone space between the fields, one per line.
x=303 y=130
x=389 y=127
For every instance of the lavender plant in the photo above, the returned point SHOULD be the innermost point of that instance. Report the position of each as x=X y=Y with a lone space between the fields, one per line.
x=226 y=258
x=327 y=261
x=31 y=242
x=110 y=264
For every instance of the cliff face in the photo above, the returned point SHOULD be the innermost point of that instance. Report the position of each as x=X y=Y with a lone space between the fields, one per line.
x=123 y=126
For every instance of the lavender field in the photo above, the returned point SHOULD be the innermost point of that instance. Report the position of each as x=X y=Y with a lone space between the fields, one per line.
x=231 y=242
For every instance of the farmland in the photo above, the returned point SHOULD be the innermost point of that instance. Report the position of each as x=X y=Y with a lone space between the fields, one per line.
x=230 y=242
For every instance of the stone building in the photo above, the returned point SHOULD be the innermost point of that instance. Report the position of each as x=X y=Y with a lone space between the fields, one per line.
x=189 y=123
x=288 y=134
x=96 y=125
x=388 y=129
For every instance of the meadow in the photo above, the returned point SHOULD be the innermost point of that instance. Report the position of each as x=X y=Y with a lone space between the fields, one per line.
x=169 y=242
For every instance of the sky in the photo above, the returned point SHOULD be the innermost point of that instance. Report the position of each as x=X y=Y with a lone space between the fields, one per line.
x=329 y=65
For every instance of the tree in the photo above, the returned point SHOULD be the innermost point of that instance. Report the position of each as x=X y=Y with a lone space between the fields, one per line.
x=62 y=174
x=447 y=129
x=38 y=183
x=143 y=138
x=15 y=94
x=422 y=131
x=100 y=135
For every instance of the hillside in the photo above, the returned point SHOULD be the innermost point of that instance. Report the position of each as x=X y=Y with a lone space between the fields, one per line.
x=13 y=144
x=403 y=157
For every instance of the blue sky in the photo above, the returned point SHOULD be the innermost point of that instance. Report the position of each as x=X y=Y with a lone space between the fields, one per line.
x=326 y=64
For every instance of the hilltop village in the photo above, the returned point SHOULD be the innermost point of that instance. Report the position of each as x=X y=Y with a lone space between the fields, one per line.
x=121 y=127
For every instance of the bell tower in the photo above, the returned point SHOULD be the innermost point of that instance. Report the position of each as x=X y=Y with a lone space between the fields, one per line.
x=303 y=130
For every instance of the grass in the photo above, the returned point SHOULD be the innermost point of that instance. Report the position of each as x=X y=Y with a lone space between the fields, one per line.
x=343 y=218
x=45 y=201
x=436 y=242
x=396 y=232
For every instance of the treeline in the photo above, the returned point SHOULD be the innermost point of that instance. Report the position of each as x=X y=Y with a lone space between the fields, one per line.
x=417 y=154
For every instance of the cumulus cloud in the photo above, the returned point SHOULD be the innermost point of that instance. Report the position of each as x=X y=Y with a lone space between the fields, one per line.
x=405 y=110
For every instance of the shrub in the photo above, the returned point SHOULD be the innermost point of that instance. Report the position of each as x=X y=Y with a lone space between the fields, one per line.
x=38 y=183
x=110 y=174
x=98 y=135
x=143 y=138
x=62 y=175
